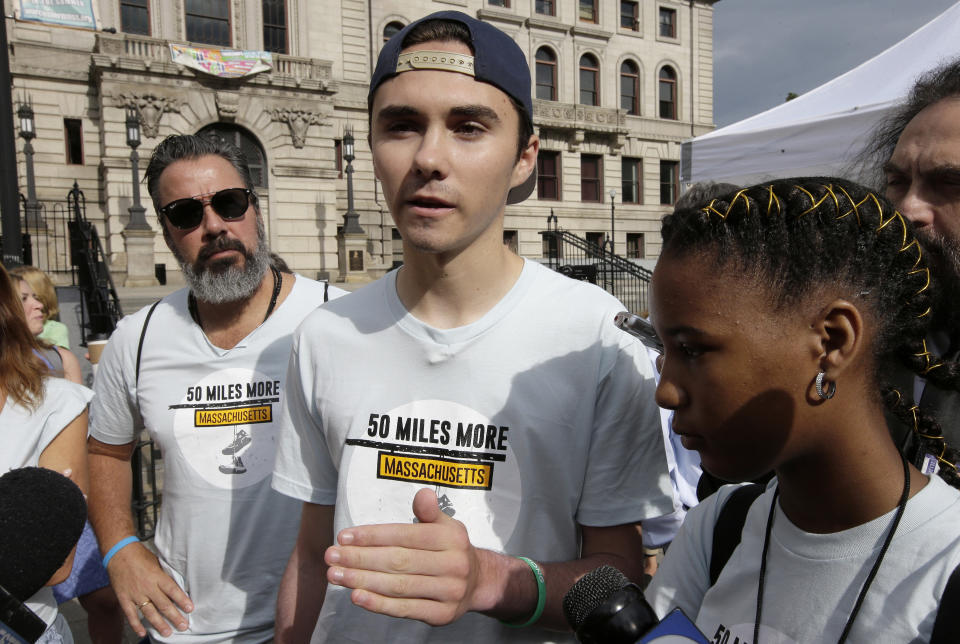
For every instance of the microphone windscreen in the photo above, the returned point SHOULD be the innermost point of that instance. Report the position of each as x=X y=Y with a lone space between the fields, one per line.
x=590 y=591
x=42 y=514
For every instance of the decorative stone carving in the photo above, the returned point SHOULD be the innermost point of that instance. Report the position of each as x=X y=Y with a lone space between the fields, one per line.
x=228 y=104
x=299 y=121
x=151 y=108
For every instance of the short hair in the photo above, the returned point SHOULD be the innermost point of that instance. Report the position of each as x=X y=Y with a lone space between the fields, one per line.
x=42 y=286
x=179 y=147
x=931 y=87
x=442 y=30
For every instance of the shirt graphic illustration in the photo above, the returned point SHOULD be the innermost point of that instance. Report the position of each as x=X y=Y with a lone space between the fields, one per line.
x=457 y=451
x=224 y=426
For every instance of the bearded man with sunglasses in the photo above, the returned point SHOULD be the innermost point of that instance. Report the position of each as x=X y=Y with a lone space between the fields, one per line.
x=203 y=371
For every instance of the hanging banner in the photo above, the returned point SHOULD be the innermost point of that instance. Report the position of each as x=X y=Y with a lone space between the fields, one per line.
x=225 y=63
x=70 y=13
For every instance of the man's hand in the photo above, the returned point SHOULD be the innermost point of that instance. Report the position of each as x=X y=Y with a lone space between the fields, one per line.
x=427 y=571
x=137 y=577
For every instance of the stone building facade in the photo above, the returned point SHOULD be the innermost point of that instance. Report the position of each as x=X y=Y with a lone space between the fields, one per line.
x=619 y=84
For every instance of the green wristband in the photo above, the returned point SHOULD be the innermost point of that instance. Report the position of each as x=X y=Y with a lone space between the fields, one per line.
x=541 y=595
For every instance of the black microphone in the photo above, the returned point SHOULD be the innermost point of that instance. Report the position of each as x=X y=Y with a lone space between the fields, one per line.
x=603 y=607
x=42 y=514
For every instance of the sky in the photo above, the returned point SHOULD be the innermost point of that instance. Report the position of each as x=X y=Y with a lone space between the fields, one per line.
x=765 y=49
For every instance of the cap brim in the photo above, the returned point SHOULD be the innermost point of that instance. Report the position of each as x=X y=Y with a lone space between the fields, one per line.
x=524 y=190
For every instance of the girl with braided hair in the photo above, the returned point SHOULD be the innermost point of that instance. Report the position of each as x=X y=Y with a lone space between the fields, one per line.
x=780 y=308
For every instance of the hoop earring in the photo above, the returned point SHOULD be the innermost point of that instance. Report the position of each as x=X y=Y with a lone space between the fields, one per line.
x=828 y=394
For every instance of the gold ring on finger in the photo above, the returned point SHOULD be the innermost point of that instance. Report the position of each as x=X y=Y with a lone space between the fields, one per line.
x=143 y=603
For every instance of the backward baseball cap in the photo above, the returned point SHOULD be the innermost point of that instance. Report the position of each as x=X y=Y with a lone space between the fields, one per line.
x=496 y=60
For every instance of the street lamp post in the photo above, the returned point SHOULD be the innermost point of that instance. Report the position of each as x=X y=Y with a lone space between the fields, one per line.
x=138 y=220
x=613 y=194
x=351 y=219
x=27 y=133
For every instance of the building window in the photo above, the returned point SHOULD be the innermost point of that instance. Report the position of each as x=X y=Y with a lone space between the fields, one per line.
x=391 y=30
x=73 y=137
x=588 y=10
x=589 y=80
x=208 y=22
x=591 y=179
x=499 y=3
x=545 y=7
x=396 y=246
x=630 y=87
x=548 y=175
x=135 y=17
x=240 y=137
x=635 y=246
x=668 y=182
x=668 y=23
x=549 y=246
x=510 y=240
x=338 y=156
x=632 y=185
x=629 y=15
x=275 y=26
x=546 y=74
x=667 y=87
x=597 y=240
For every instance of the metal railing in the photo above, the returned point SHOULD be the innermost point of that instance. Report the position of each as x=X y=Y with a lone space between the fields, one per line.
x=576 y=257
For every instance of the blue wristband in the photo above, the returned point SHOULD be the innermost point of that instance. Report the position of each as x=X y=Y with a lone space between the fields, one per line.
x=123 y=543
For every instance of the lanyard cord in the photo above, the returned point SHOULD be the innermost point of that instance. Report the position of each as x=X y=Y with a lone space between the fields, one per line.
x=901 y=507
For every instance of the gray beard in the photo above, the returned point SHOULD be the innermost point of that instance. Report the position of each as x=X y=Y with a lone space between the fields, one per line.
x=226 y=281
x=944 y=261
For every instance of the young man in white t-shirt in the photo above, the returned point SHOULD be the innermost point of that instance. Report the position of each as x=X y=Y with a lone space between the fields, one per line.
x=500 y=386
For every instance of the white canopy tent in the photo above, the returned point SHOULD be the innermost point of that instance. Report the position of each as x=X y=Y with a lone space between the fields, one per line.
x=821 y=131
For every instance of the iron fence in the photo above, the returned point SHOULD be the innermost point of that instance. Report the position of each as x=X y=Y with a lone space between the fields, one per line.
x=576 y=257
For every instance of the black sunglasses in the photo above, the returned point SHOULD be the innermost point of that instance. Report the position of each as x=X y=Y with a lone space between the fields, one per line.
x=230 y=204
x=640 y=329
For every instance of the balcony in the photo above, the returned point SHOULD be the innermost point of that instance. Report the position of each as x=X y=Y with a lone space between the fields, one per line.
x=134 y=53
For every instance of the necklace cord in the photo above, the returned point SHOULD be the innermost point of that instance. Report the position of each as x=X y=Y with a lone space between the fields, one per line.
x=901 y=507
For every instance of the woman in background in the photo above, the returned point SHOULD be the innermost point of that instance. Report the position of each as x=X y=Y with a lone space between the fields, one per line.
x=54 y=331
x=88 y=581
x=60 y=360
x=43 y=422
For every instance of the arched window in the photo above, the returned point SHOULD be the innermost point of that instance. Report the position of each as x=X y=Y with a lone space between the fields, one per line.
x=546 y=74
x=667 y=89
x=391 y=29
x=247 y=143
x=589 y=80
x=630 y=87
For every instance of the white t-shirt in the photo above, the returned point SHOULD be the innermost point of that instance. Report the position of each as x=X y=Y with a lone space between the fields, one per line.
x=223 y=534
x=24 y=434
x=812 y=580
x=536 y=417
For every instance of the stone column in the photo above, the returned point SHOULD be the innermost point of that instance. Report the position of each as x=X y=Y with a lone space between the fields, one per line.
x=138 y=243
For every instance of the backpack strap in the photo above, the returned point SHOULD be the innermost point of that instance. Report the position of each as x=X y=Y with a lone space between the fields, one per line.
x=946 y=628
x=728 y=529
x=143 y=334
